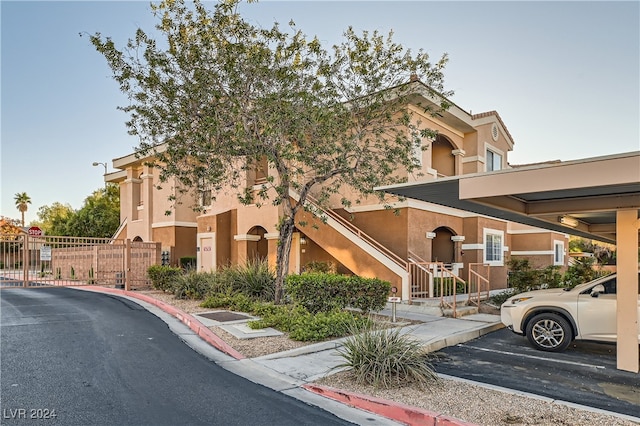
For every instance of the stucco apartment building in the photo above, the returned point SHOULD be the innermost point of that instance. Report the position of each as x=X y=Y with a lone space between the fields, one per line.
x=367 y=239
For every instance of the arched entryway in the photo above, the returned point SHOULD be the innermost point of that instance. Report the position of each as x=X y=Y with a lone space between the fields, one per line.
x=442 y=246
x=442 y=158
x=257 y=248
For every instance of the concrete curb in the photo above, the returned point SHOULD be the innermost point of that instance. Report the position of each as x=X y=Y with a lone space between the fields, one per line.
x=463 y=336
x=196 y=326
x=390 y=409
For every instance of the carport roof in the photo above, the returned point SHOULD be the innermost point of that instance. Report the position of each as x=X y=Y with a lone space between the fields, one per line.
x=589 y=190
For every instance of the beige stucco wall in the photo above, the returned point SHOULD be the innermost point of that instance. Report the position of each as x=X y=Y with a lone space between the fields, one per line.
x=226 y=218
x=536 y=245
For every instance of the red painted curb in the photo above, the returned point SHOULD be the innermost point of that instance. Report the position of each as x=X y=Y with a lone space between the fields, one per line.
x=411 y=416
x=203 y=332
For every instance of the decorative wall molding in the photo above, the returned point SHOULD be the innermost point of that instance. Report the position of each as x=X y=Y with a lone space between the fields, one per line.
x=246 y=237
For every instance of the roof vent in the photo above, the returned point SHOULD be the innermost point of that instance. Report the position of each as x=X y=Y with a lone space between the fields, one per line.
x=494 y=132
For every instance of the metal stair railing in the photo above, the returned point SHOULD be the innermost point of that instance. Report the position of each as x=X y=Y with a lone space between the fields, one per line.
x=439 y=278
x=448 y=283
x=420 y=277
x=479 y=286
x=358 y=232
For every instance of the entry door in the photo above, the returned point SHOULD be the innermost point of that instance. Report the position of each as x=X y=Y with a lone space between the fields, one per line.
x=206 y=254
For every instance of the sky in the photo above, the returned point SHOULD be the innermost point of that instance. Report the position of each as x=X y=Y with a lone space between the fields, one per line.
x=564 y=77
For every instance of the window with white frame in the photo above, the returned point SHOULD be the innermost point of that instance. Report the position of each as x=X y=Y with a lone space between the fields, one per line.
x=493 y=161
x=558 y=253
x=493 y=247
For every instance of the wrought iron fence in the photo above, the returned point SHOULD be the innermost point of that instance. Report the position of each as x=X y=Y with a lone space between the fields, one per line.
x=31 y=261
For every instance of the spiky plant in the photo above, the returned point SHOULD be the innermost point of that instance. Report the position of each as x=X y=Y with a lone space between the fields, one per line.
x=384 y=357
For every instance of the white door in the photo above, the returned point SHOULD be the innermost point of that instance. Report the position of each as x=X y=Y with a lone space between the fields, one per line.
x=206 y=254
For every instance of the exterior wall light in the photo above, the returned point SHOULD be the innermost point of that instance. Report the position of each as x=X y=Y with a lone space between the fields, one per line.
x=568 y=221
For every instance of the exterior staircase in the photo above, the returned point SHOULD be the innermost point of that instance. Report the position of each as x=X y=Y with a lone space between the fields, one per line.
x=356 y=250
x=366 y=257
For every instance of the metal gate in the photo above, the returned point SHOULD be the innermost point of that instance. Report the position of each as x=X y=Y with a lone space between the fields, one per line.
x=32 y=261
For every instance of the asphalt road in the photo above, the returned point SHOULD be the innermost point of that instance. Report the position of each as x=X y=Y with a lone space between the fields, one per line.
x=584 y=374
x=70 y=358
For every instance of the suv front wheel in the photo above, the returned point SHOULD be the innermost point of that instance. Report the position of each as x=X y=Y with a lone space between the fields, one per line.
x=549 y=332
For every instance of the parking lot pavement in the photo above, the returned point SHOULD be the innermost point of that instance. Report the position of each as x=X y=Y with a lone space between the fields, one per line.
x=584 y=374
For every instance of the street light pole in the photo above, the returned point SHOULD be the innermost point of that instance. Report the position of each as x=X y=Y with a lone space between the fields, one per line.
x=96 y=163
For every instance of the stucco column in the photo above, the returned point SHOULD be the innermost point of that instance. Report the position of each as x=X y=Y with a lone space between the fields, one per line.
x=129 y=182
x=458 y=155
x=242 y=246
x=627 y=289
x=272 y=248
x=457 y=245
x=146 y=195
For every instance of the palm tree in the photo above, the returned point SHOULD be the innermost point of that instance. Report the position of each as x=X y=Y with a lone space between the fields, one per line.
x=22 y=201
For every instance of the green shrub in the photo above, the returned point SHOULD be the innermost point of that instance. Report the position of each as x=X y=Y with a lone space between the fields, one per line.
x=580 y=272
x=317 y=292
x=302 y=325
x=367 y=294
x=163 y=277
x=385 y=357
x=320 y=292
x=215 y=301
x=235 y=302
x=322 y=267
x=255 y=279
x=283 y=317
x=323 y=325
x=192 y=285
x=188 y=263
x=522 y=277
x=502 y=297
x=550 y=277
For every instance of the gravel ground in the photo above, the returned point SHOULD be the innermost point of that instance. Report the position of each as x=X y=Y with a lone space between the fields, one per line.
x=459 y=399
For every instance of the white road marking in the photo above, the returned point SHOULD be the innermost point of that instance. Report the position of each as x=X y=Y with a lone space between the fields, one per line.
x=534 y=357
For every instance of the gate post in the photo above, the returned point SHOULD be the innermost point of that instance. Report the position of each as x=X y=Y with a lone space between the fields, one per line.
x=25 y=264
x=127 y=265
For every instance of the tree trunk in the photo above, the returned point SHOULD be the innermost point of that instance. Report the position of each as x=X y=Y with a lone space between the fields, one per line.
x=283 y=254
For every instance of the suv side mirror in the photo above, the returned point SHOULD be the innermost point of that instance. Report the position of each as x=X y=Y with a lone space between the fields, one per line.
x=597 y=290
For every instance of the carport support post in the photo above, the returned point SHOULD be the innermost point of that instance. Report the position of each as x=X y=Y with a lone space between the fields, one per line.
x=627 y=289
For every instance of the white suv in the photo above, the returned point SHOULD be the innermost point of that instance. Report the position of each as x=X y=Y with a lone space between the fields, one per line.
x=551 y=319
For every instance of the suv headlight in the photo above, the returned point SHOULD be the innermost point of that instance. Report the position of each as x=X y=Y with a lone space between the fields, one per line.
x=520 y=299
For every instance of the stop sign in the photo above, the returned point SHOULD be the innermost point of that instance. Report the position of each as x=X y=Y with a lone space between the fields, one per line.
x=34 y=231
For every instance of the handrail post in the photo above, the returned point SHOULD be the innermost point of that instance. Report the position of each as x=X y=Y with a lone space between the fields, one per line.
x=455 y=296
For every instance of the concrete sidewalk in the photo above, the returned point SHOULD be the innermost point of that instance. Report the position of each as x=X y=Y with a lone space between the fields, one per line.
x=293 y=372
x=309 y=363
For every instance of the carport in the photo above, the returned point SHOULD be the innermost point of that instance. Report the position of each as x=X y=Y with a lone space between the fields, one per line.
x=596 y=198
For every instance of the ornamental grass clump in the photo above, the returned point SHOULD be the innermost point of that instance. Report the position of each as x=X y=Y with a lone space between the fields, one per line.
x=255 y=279
x=384 y=358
